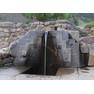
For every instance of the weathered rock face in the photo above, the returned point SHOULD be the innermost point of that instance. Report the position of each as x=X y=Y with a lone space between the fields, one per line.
x=9 y=32
x=67 y=49
x=53 y=25
x=52 y=63
x=89 y=29
x=29 y=43
x=91 y=55
x=62 y=50
x=87 y=47
x=27 y=47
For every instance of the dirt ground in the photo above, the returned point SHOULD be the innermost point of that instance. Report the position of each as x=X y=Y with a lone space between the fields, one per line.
x=14 y=73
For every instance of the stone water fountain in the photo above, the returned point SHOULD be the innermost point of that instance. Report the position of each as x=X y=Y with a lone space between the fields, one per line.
x=47 y=51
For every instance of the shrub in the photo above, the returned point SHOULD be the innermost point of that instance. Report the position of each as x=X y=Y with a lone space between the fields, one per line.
x=47 y=16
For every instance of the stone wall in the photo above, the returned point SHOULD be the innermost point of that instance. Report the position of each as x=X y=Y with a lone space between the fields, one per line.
x=10 y=32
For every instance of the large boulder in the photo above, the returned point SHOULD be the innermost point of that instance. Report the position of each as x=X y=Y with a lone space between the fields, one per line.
x=66 y=49
x=87 y=48
x=31 y=41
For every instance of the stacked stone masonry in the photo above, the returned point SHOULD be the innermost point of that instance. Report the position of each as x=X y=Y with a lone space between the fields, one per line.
x=11 y=32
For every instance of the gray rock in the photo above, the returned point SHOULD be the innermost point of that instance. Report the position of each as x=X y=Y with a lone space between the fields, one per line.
x=67 y=56
x=75 y=61
x=50 y=23
x=6 y=24
x=67 y=49
x=74 y=34
x=84 y=48
x=19 y=48
x=18 y=25
x=3 y=34
x=7 y=61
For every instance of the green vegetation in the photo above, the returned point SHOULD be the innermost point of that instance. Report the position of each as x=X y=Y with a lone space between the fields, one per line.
x=90 y=24
x=48 y=16
x=86 y=24
x=53 y=16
